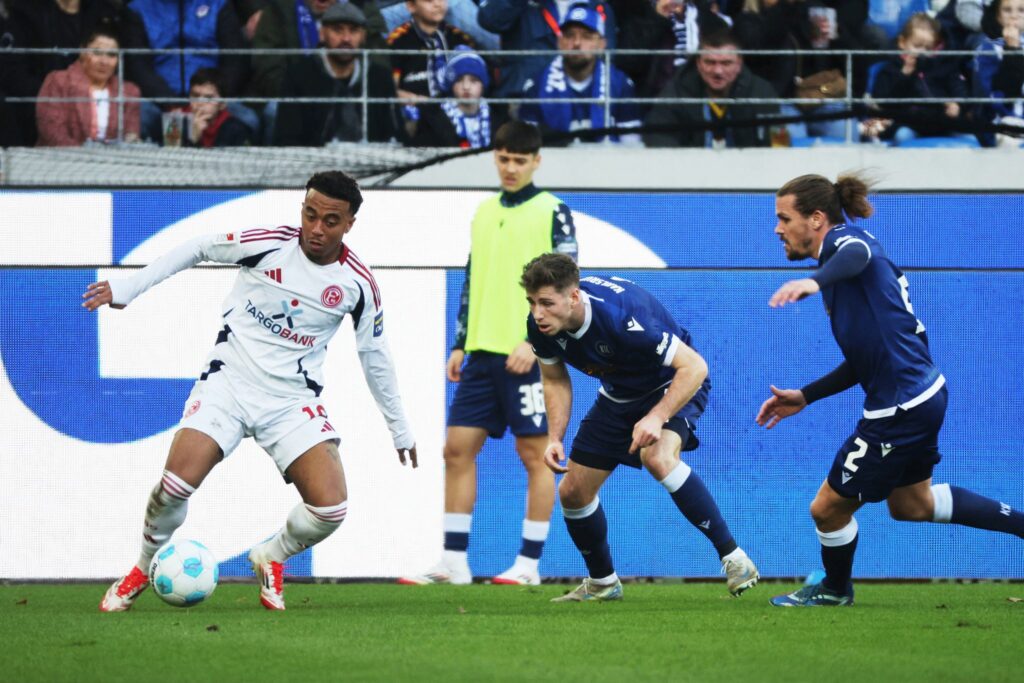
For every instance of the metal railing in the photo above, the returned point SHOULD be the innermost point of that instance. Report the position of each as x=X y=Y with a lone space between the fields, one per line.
x=608 y=56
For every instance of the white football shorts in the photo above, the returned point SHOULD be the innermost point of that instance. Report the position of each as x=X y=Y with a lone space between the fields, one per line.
x=228 y=408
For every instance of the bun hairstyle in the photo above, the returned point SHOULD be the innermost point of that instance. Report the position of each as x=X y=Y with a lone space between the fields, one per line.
x=848 y=195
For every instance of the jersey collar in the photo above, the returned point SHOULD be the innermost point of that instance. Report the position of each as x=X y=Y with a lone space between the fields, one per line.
x=510 y=199
x=588 y=316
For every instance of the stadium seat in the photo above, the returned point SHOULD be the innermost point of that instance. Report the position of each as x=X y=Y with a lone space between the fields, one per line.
x=941 y=142
x=816 y=142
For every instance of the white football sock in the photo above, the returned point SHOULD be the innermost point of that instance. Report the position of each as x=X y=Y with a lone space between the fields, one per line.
x=307 y=525
x=165 y=512
x=605 y=581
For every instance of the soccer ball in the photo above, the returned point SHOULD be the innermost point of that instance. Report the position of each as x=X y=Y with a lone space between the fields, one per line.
x=183 y=573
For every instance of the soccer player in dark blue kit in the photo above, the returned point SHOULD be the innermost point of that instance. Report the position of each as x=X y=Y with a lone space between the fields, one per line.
x=892 y=451
x=654 y=386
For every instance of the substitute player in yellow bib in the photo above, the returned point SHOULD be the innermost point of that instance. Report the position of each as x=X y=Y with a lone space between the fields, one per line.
x=499 y=385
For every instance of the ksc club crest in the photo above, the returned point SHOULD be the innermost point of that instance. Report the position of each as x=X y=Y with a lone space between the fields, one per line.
x=331 y=296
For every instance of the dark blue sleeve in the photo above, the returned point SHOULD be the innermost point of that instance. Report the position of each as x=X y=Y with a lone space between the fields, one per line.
x=530 y=112
x=837 y=381
x=541 y=344
x=563 y=233
x=850 y=259
x=462 y=318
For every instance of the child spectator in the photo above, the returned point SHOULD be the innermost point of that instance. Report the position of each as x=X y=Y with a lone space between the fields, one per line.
x=211 y=124
x=93 y=79
x=919 y=73
x=467 y=120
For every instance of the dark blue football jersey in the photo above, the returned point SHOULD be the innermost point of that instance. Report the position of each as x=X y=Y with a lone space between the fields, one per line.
x=628 y=341
x=875 y=326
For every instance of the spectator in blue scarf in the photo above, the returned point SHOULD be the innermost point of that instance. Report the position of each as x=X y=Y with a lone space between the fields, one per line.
x=467 y=120
x=580 y=72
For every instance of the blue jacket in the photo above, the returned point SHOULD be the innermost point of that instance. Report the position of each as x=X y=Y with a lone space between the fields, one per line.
x=182 y=24
x=522 y=26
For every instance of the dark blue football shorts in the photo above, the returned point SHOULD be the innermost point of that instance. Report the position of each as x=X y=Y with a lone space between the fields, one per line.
x=890 y=452
x=606 y=432
x=490 y=397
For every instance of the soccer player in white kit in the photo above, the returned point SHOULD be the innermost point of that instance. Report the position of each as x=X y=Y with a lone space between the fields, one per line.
x=263 y=377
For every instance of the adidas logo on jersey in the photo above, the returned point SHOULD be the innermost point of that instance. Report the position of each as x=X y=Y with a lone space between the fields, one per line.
x=274 y=274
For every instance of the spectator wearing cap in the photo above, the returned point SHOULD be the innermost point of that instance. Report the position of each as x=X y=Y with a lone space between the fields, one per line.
x=295 y=25
x=338 y=75
x=467 y=120
x=533 y=25
x=718 y=72
x=580 y=72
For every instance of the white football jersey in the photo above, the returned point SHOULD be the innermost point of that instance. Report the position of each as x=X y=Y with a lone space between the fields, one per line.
x=282 y=312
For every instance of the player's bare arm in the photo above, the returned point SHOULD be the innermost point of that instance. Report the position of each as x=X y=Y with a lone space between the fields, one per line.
x=453 y=369
x=691 y=371
x=99 y=294
x=793 y=291
x=558 y=403
x=782 y=404
x=521 y=360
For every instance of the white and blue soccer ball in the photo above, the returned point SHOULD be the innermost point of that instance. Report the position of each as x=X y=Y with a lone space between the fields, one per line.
x=183 y=573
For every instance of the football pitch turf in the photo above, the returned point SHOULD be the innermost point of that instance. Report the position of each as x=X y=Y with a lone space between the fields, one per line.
x=660 y=632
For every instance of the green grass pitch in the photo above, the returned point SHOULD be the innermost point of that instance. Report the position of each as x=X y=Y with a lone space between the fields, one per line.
x=374 y=632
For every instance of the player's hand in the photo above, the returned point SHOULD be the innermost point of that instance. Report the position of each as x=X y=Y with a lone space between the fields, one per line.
x=454 y=366
x=554 y=456
x=412 y=456
x=783 y=403
x=952 y=110
x=793 y=291
x=98 y=294
x=521 y=360
x=646 y=432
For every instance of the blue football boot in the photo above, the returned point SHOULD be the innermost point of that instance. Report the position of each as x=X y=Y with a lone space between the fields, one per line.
x=815 y=596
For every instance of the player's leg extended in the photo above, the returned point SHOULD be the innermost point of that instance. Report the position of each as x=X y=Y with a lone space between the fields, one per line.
x=697 y=504
x=837 y=532
x=461 y=446
x=192 y=456
x=588 y=528
x=540 y=499
x=925 y=502
x=320 y=480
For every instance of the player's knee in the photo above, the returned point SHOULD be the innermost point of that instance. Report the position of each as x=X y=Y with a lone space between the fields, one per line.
x=822 y=513
x=572 y=496
x=659 y=464
x=457 y=458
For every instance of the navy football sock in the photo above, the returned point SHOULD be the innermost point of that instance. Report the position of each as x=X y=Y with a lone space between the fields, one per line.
x=837 y=550
x=456 y=531
x=960 y=506
x=698 y=506
x=588 y=529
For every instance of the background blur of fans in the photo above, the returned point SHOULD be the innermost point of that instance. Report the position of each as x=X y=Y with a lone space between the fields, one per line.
x=831 y=52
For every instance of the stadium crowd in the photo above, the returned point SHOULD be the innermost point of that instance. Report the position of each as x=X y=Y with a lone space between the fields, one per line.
x=430 y=64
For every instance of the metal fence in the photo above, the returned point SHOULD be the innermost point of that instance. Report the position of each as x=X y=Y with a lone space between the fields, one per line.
x=848 y=99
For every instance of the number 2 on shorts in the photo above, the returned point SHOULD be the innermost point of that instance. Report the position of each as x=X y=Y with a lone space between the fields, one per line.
x=859 y=452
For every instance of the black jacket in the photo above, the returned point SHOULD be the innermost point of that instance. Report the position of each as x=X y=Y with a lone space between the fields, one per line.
x=934 y=77
x=687 y=83
x=435 y=129
x=313 y=125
